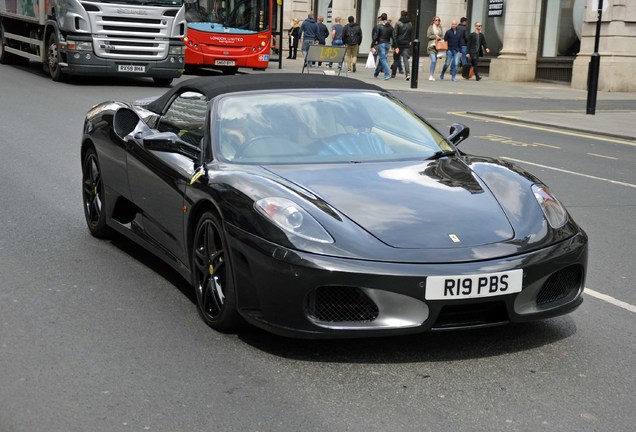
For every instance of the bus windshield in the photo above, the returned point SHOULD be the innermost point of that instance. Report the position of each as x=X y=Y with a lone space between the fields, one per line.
x=228 y=16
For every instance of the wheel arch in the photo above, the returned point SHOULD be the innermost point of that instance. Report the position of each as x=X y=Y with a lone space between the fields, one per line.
x=87 y=143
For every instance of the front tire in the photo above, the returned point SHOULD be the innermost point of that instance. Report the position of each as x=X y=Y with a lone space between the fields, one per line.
x=53 y=59
x=212 y=275
x=93 y=196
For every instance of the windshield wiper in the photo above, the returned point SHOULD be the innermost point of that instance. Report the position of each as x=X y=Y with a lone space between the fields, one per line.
x=440 y=154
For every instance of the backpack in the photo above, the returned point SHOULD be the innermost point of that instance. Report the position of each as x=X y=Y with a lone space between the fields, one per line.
x=350 y=35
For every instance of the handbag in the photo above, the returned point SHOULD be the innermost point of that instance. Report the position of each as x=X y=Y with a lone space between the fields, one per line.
x=370 y=61
x=441 y=45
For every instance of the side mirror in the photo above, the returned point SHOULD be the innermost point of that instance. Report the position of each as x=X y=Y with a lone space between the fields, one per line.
x=458 y=133
x=128 y=126
x=125 y=121
x=171 y=143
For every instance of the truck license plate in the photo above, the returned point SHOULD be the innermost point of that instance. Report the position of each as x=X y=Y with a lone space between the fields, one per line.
x=225 y=63
x=132 y=68
x=473 y=286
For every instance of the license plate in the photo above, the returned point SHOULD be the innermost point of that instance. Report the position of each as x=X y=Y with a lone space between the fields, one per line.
x=131 y=68
x=473 y=286
x=225 y=63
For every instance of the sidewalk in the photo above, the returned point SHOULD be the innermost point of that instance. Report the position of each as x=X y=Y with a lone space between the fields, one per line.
x=619 y=123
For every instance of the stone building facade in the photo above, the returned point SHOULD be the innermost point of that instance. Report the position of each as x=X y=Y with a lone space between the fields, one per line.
x=529 y=39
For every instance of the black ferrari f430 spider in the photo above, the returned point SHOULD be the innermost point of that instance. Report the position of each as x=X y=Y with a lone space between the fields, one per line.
x=327 y=208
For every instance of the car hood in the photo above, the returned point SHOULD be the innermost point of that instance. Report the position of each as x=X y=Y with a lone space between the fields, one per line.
x=431 y=204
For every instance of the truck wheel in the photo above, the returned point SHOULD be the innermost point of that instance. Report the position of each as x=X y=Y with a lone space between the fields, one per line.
x=53 y=59
x=164 y=82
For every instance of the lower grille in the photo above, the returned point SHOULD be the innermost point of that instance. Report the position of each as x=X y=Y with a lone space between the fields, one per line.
x=559 y=285
x=473 y=314
x=341 y=304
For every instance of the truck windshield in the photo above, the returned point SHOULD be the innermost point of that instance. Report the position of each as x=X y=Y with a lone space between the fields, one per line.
x=228 y=16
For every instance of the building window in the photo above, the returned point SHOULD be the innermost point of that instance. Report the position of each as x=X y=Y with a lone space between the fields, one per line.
x=562 y=19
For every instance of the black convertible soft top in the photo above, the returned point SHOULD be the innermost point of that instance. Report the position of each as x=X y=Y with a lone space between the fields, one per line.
x=214 y=86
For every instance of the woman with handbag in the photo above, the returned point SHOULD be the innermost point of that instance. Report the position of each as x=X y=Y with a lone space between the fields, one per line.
x=435 y=34
x=294 y=36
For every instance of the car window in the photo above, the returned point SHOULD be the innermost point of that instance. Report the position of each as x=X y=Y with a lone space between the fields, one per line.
x=319 y=126
x=186 y=117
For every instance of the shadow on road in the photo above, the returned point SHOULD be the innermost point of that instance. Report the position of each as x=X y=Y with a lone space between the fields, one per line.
x=426 y=347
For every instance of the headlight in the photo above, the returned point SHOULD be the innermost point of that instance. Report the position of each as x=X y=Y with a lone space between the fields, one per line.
x=176 y=49
x=552 y=209
x=292 y=219
x=79 y=46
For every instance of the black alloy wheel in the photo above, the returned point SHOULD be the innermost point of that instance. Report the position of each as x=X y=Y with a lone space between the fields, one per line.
x=212 y=275
x=93 y=196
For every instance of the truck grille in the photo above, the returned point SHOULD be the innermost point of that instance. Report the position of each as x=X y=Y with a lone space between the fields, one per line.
x=131 y=33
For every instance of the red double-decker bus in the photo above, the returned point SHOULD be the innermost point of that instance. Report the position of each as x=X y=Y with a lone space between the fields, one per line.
x=228 y=34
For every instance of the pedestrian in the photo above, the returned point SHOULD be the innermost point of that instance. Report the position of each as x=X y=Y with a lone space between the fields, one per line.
x=309 y=34
x=323 y=33
x=383 y=42
x=463 y=41
x=452 y=37
x=373 y=37
x=336 y=36
x=435 y=33
x=476 y=48
x=402 y=35
x=294 y=36
x=352 y=36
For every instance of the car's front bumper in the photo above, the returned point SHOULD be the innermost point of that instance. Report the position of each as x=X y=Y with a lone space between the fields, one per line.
x=307 y=295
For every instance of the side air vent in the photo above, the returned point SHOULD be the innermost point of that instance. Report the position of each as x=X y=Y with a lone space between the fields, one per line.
x=560 y=284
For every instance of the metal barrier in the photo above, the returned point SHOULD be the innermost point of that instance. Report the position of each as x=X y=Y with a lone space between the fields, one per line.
x=325 y=54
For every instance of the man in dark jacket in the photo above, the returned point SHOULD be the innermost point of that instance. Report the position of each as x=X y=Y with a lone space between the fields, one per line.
x=463 y=40
x=352 y=37
x=309 y=33
x=382 y=42
x=402 y=34
x=476 y=47
x=452 y=36
x=323 y=33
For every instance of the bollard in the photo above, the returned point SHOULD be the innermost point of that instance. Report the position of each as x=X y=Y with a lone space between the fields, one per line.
x=416 y=63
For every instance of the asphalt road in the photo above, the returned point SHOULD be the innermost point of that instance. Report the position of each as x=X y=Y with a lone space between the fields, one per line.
x=99 y=336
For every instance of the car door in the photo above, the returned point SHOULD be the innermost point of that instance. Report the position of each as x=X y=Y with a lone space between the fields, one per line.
x=158 y=178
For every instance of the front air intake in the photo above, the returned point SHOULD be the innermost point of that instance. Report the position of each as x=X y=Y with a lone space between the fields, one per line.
x=560 y=285
x=330 y=304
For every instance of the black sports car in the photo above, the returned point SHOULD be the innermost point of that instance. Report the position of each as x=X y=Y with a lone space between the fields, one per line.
x=325 y=207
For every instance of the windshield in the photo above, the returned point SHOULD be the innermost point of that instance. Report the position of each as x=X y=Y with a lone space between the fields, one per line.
x=320 y=127
x=228 y=16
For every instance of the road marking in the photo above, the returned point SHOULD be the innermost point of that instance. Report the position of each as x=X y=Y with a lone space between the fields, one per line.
x=612 y=300
x=553 y=129
x=602 y=156
x=616 y=182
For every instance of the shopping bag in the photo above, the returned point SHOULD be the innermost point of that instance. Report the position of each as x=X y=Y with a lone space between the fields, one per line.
x=441 y=45
x=370 y=61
